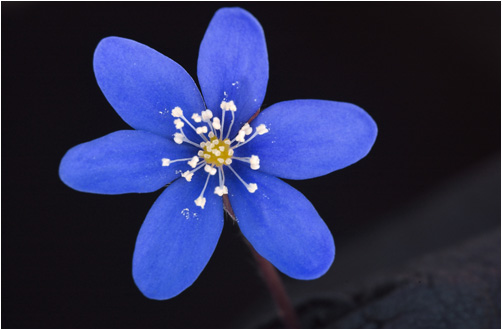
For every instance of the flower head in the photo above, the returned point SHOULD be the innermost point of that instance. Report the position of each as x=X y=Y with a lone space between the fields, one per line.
x=208 y=148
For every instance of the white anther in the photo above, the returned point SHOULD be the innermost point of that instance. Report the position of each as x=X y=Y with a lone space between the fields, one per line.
x=207 y=115
x=220 y=191
x=214 y=143
x=211 y=134
x=179 y=123
x=166 y=161
x=228 y=161
x=261 y=129
x=196 y=118
x=193 y=162
x=252 y=187
x=178 y=138
x=209 y=169
x=207 y=156
x=225 y=106
x=177 y=112
x=200 y=153
x=200 y=201
x=240 y=136
x=187 y=175
x=231 y=152
x=246 y=128
x=255 y=162
x=202 y=144
x=228 y=142
x=216 y=152
x=221 y=160
x=221 y=149
x=201 y=130
x=216 y=123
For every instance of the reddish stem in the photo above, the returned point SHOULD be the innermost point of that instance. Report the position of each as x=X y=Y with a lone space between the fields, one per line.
x=272 y=279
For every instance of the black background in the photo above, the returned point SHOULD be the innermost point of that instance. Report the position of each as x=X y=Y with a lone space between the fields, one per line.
x=428 y=73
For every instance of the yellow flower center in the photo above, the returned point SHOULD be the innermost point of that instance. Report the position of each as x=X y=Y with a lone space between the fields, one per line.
x=217 y=152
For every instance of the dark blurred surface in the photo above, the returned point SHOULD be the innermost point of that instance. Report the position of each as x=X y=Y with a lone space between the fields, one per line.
x=432 y=264
x=428 y=73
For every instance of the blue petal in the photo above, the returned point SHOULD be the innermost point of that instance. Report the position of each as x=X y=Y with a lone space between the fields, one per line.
x=177 y=239
x=233 y=63
x=122 y=162
x=282 y=225
x=310 y=138
x=143 y=86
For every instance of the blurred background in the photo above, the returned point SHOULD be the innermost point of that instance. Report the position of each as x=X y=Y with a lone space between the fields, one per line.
x=429 y=75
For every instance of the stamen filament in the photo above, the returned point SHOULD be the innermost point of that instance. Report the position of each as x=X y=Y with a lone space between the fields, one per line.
x=222 y=123
x=195 y=130
x=185 y=139
x=231 y=124
x=167 y=161
x=201 y=201
x=251 y=187
x=240 y=144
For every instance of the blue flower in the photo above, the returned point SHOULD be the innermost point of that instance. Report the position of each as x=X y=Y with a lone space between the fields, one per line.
x=206 y=148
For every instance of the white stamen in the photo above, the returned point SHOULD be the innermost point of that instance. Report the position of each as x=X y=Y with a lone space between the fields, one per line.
x=251 y=187
x=216 y=152
x=221 y=160
x=261 y=129
x=167 y=161
x=200 y=201
x=211 y=135
x=207 y=115
x=228 y=161
x=240 y=136
x=200 y=153
x=222 y=123
x=190 y=124
x=221 y=149
x=178 y=138
x=216 y=123
x=220 y=191
x=210 y=169
x=246 y=128
x=255 y=162
x=230 y=152
x=226 y=106
x=201 y=130
x=193 y=162
x=188 y=175
x=196 y=118
x=177 y=112
x=179 y=123
x=231 y=124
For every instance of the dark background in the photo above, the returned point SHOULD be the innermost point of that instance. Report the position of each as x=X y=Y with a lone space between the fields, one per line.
x=428 y=73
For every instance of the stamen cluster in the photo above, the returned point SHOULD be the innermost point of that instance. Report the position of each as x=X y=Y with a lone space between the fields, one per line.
x=216 y=148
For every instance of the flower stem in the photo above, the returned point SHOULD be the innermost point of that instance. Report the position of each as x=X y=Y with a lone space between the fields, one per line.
x=272 y=279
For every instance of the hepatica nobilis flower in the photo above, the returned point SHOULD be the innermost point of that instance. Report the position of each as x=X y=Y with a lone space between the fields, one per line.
x=206 y=148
